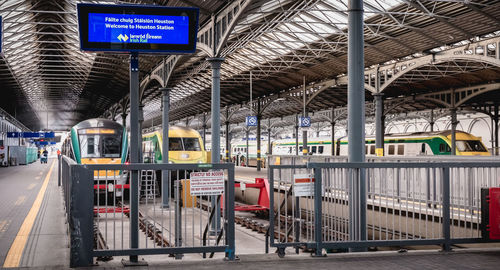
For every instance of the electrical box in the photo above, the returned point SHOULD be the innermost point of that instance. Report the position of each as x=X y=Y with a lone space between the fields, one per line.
x=490 y=213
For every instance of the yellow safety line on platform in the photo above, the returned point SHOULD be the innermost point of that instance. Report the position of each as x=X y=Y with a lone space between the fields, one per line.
x=16 y=249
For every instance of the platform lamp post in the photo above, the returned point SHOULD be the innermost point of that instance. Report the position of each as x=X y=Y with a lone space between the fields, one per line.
x=356 y=120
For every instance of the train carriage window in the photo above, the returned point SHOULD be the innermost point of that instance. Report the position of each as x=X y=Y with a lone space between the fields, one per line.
x=391 y=149
x=314 y=148
x=401 y=149
x=422 y=150
x=372 y=149
x=366 y=148
x=321 y=149
x=444 y=148
x=289 y=150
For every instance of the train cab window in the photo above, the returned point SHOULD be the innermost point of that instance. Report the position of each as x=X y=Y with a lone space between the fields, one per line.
x=401 y=149
x=111 y=146
x=174 y=144
x=321 y=149
x=191 y=144
x=470 y=146
x=391 y=149
x=422 y=150
x=90 y=146
x=372 y=149
x=444 y=148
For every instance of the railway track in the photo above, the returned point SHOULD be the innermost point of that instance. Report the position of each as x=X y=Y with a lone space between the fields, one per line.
x=146 y=226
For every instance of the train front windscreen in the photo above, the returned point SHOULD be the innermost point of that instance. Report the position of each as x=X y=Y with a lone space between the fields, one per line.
x=184 y=144
x=470 y=146
x=100 y=143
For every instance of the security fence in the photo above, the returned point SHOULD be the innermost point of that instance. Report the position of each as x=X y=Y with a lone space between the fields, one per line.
x=110 y=215
x=359 y=205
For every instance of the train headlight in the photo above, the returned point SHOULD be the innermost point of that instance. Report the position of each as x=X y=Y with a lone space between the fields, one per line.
x=170 y=162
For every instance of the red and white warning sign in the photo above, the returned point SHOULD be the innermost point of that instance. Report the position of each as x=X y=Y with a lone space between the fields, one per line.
x=303 y=185
x=207 y=183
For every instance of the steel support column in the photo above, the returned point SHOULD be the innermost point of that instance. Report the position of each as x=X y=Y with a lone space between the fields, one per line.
x=227 y=135
x=304 y=114
x=269 y=146
x=356 y=119
x=141 y=121
x=216 y=65
x=297 y=135
x=204 y=131
x=379 y=124
x=259 y=117
x=134 y=153
x=454 y=124
x=247 y=134
x=495 y=120
x=431 y=123
x=124 y=120
x=165 y=125
x=333 y=137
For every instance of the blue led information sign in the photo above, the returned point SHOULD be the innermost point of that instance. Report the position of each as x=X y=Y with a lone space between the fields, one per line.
x=136 y=28
x=30 y=134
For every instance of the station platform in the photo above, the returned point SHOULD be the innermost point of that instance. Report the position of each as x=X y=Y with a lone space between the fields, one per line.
x=33 y=234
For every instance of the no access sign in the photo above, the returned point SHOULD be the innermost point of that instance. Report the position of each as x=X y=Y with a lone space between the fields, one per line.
x=303 y=185
x=207 y=183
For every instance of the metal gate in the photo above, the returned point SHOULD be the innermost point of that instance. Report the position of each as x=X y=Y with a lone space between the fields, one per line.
x=105 y=220
x=344 y=206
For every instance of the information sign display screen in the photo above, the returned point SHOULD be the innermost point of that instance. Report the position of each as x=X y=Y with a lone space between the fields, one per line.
x=135 y=28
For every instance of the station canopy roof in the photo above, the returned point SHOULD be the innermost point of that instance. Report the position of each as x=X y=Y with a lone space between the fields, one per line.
x=47 y=82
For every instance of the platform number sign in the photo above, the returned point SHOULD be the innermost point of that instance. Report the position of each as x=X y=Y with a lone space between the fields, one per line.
x=251 y=121
x=305 y=121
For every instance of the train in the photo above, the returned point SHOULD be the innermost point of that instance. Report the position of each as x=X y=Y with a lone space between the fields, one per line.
x=185 y=145
x=239 y=152
x=99 y=141
x=412 y=144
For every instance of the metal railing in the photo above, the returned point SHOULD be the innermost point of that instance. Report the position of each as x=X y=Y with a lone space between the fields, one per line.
x=105 y=220
x=360 y=205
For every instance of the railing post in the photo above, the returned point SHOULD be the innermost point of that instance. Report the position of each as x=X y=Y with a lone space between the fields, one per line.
x=81 y=217
x=59 y=170
x=270 y=177
x=231 y=249
x=446 y=209
x=318 y=222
